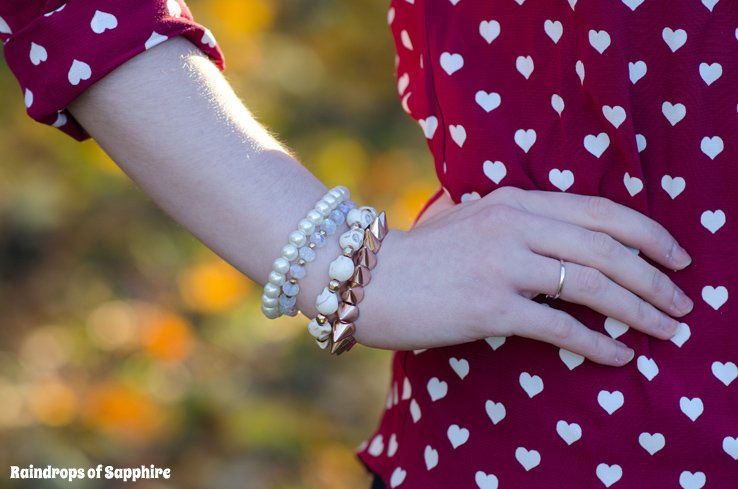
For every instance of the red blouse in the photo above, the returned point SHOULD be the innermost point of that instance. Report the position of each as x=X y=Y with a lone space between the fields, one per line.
x=633 y=100
x=57 y=49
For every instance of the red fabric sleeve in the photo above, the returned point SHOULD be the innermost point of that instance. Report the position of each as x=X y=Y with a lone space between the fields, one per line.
x=57 y=50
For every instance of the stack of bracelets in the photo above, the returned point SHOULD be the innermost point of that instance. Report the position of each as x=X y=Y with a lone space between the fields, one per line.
x=349 y=273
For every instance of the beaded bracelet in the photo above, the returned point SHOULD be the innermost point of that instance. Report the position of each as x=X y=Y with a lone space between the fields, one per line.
x=321 y=221
x=350 y=273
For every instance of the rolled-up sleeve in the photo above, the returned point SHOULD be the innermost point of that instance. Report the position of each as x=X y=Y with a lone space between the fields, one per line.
x=57 y=50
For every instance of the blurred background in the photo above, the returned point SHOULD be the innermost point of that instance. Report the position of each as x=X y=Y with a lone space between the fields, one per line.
x=124 y=341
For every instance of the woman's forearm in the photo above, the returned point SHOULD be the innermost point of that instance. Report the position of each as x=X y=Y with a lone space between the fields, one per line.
x=170 y=120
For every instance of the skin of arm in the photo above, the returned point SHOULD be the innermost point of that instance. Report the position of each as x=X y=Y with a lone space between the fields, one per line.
x=170 y=120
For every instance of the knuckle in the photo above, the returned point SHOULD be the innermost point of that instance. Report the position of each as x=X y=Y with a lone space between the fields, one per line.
x=591 y=281
x=600 y=209
x=506 y=194
x=603 y=245
x=561 y=328
x=602 y=347
x=659 y=237
x=659 y=282
x=500 y=214
x=643 y=311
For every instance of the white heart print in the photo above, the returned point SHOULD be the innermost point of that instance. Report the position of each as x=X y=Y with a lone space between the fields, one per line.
x=632 y=184
x=609 y=474
x=682 y=335
x=392 y=446
x=562 y=180
x=615 y=328
x=571 y=360
x=437 y=389
x=154 y=40
x=489 y=30
x=4 y=27
x=103 y=21
x=674 y=39
x=640 y=142
x=376 y=447
x=568 y=432
x=458 y=134
x=429 y=126
x=402 y=83
x=554 y=29
x=495 y=341
x=579 y=67
x=495 y=171
x=407 y=390
x=457 y=435
x=78 y=72
x=524 y=64
x=488 y=101
x=730 y=445
x=673 y=186
x=525 y=139
x=633 y=4
x=715 y=296
x=616 y=115
x=486 y=481
x=431 y=457
x=712 y=146
x=397 y=477
x=208 y=38
x=415 y=410
x=532 y=385
x=174 y=9
x=600 y=40
x=38 y=54
x=529 y=459
x=710 y=4
x=557 y=103
x=391 y=15
x=688 y=480
x=637 y=71
x=652 y=443
x=673 y=113
x=597 y=144
x=470 y=196
x=725 y=372
x=693 y=408
x=710 y=73
x=495 y=411
x=405 y=39
x=647 y=367
x=451 y=63
x=713 y=221
x=461 y=367
x=610 y=401
x=28 y=98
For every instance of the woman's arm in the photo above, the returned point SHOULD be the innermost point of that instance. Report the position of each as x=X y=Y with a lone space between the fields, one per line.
x=171 y=121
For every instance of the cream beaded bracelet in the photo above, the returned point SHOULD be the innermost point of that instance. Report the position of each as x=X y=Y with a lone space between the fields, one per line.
x=350 y=273
x=321 y=221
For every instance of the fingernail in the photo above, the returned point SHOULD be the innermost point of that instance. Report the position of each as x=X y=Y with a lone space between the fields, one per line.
x=624 y=354
x=668 y=325
x=682 y=303
x=680 y=256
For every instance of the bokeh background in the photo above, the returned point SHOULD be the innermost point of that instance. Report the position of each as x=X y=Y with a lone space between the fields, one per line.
x=124 y=341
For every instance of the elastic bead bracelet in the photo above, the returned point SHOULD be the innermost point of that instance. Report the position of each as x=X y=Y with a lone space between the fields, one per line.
x=321 y=221
x=350 y=273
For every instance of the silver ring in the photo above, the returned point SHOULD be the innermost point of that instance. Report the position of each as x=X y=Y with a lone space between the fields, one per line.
x=561 y=283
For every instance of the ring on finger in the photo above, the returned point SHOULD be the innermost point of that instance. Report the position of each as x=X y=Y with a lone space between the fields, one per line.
x=561 y=283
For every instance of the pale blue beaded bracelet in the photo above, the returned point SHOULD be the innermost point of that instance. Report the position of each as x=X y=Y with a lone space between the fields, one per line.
x=323 y=220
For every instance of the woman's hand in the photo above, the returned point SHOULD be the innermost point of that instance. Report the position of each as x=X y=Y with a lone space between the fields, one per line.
x=468 y=271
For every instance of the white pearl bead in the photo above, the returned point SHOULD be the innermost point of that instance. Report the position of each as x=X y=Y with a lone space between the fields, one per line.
x=315 y=217
x=327 y=302
x=270 y=312
x=352 y=238
x=276 y=278
x=267 y=301
x=319 y=331
x=345 y=191
x=289 y=252
x=297 y=239
x=331 y=201
x=281 y=265
x=341 y=268
x=337 y=194
x=306 y=227
x=323 y=208
x=271 y=290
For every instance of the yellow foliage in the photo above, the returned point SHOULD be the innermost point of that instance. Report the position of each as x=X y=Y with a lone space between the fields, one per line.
x=123 y=413
x=52 y=403
x=242 y=17
x=342 y=162
x=166 y=336
x=213 y=286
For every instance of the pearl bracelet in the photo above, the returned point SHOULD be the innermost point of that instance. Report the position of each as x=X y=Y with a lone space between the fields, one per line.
x=321 y=221
x=350 y=273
